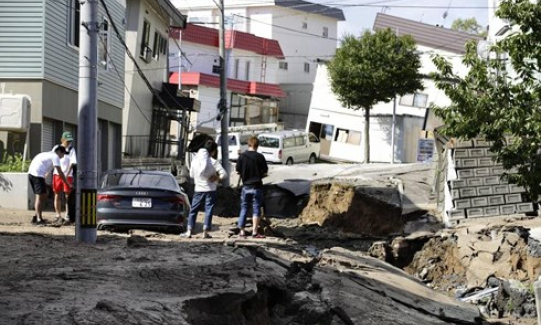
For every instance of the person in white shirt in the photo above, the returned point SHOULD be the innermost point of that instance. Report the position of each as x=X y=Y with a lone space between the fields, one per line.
x=206 y=172
x=40 y=167
x=67 y=163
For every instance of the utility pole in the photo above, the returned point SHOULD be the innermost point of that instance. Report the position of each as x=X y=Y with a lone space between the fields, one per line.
x=87 y=120
x=223 y=99
x=180 y=119
x=393 y=129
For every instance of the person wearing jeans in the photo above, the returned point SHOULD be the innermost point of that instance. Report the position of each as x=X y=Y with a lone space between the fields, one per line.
x=252 y=168
x=206 y=172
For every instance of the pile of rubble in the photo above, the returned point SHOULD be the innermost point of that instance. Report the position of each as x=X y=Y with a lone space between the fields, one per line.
x=492 y=265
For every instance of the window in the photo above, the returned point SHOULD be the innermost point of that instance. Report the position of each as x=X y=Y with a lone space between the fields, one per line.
x=289 y=142
x=145 y=42
x=163 y=45
x=104 y=45
x=304 y=25
x=282 y=65
x=216 y=69
x=160 y=46
x=414 y=100
x=247 y=70
x=269 y=142
x=232 y=140
x=74 y=22
x=156 y=46
x=348 y=136
x=237 y=64
x=237 y=110
x=325 y=32
x=300 y=141
x=307 y=67
x=327 y=131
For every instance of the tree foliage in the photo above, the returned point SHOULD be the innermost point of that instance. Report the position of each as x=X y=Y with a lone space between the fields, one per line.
x=373 y=68
x=469 y=25
x=500 y=95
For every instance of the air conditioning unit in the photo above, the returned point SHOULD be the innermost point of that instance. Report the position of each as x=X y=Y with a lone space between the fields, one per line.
x=15 y=112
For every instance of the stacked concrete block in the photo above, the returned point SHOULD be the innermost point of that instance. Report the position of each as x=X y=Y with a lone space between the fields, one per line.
x=480 y=190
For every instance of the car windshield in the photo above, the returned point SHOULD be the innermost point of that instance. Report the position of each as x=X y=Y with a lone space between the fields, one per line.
x=137 y=179
x=269 y=142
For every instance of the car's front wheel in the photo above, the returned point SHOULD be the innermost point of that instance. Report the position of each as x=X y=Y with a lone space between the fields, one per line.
x=313 y=159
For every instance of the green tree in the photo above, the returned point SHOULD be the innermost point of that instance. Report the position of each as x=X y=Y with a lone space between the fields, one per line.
x=499 y=98
x=469 y=25
x=373 y=68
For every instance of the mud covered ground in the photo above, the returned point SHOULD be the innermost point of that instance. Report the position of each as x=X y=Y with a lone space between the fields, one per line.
x=150 y=278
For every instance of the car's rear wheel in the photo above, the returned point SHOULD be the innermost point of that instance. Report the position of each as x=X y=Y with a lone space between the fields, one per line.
x=289 y=161
x=313 y=159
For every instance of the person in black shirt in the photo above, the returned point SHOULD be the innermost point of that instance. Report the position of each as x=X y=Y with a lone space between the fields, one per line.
x=252 y=167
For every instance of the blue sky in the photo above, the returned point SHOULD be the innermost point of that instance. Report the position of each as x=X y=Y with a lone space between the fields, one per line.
x=359 y=18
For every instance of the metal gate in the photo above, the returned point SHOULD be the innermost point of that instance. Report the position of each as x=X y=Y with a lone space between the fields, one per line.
x=112 y=145
x=47 y=135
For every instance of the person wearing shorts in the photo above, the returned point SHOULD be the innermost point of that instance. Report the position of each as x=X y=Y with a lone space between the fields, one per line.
x=67 y=164
x=40 y=167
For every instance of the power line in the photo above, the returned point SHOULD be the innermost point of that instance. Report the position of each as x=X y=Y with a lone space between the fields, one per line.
x=122 y=79
x=138 y=69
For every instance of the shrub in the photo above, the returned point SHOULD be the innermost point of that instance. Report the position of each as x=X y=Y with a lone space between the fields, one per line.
x=13 y=164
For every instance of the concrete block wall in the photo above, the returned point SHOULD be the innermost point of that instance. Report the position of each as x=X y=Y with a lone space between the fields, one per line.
x=480 y=189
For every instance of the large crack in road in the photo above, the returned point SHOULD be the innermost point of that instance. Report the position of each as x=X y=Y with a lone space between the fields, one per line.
x=50 y=279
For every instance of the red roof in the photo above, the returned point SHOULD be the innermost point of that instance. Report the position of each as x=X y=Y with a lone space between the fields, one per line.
x=239 y=86
x=233 y=39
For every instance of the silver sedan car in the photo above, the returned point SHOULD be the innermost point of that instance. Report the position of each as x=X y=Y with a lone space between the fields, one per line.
x=141 y=199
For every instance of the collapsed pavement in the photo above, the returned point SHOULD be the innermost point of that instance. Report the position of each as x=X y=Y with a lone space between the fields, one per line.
x=144 y=280
x=492 y=264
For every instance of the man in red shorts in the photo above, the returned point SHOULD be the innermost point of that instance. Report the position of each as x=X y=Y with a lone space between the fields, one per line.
x=67 y=164
x=40 y=167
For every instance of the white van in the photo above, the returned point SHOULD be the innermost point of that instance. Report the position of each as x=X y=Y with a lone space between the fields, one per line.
x=238 y=143
x=289 y=147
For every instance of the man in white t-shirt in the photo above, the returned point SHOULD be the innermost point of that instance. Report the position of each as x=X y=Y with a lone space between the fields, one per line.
x=40 y=167
x=67 y=163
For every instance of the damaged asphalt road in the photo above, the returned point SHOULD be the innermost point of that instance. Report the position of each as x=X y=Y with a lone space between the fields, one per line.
x=47 y=279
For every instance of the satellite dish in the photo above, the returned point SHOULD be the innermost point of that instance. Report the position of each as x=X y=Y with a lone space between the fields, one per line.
x=483 y=48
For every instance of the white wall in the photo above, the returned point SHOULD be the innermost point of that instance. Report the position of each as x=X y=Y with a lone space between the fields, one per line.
x=201 y=58
x=264 y=19
x=326 y=108
x=300 y=48
x=194 y=4
x=209 y=100
x=137 y=115
x=435 y=95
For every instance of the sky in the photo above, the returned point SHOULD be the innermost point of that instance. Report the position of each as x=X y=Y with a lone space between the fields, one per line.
x=360 y=14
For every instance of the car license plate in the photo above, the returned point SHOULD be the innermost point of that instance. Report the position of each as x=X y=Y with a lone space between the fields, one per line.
x=141 y=202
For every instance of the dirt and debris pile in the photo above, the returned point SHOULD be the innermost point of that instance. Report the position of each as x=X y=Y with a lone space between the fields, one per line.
x=474 y=254
x=371 y=208
x=438 y=263
x=493 y=266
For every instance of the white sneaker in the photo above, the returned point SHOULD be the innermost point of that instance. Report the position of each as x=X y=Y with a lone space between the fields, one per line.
x=186 y=234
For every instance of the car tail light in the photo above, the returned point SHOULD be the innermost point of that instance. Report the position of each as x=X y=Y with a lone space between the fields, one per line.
x=108 y=198
x=280 y=154
x=174 y=199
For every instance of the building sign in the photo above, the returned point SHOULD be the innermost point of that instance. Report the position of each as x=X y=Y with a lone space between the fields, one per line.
x=425 y=150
